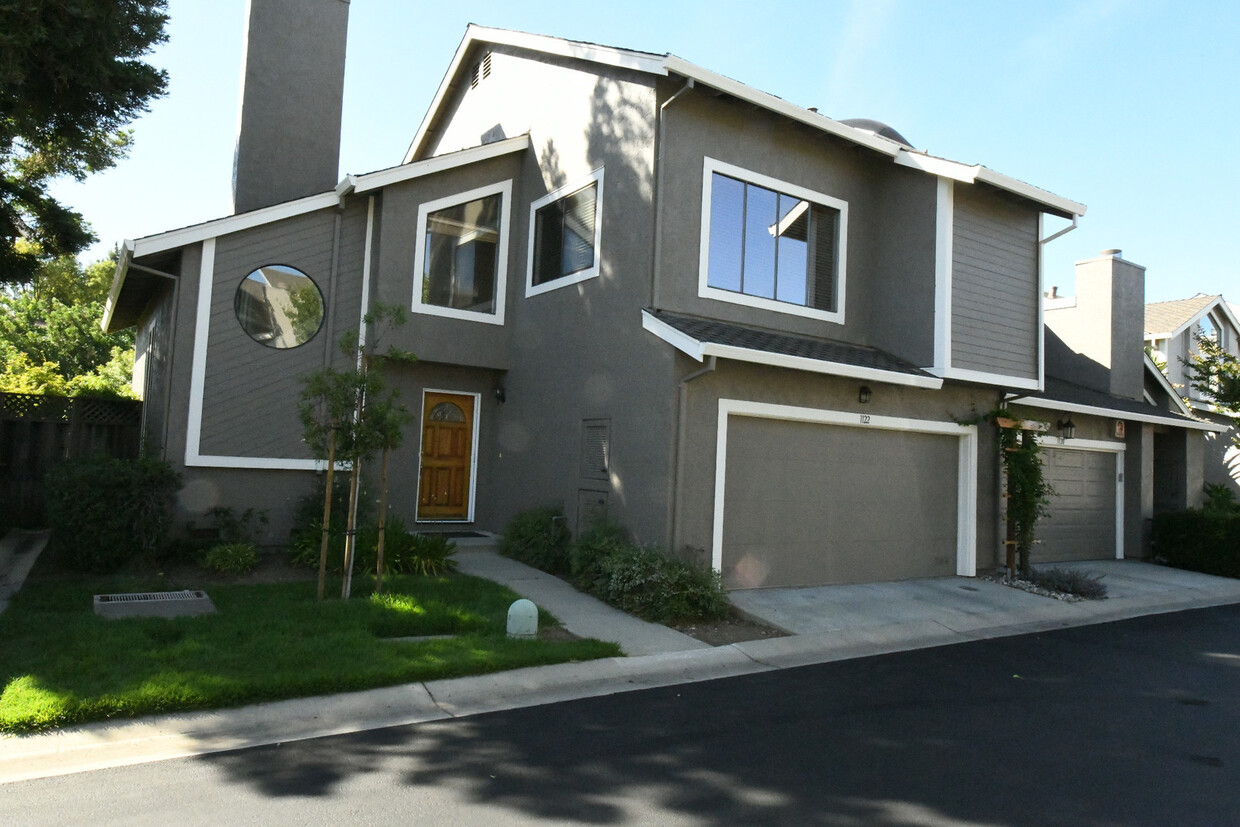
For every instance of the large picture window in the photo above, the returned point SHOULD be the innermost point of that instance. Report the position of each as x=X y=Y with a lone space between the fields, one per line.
x=565 y=229
x=461 y=256
x=770 y=244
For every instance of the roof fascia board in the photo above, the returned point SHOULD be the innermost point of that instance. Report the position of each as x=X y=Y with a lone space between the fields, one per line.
x=737 y=89
x=1076 y=407
x=699 y=350
x=607 y=55
x=439 y=163
x=232 y=224
x=1165 y=384
x=118 y=282
x=1014 y=185
x=941 y=167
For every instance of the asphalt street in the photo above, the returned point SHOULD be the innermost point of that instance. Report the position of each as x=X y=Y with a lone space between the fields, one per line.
x=1131 y=722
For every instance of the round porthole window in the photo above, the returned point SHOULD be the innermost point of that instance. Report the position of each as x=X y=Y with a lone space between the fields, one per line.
x=279 y=306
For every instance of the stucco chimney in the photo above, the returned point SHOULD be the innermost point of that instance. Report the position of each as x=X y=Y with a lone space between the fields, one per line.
x=292 y=86
x=1108 y=322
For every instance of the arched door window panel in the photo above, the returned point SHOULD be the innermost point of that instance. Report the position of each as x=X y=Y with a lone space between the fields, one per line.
x=279 y=306
x=447 y=412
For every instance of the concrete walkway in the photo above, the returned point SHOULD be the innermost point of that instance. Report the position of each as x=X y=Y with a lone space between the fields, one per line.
x=827 y=624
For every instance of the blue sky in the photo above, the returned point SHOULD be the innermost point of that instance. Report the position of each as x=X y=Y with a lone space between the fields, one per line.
x=1128 y=106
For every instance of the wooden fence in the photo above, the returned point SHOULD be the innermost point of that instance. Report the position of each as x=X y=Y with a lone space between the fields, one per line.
x=36 y=432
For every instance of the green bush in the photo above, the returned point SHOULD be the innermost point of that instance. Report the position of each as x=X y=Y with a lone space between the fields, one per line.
x=231 y=558
x=599 y=541
x=404 y=552
x=407 y=553
x=1070 y=581
x=1207 y=541
x=539 y=538
x=108 y=512
x=644 y=581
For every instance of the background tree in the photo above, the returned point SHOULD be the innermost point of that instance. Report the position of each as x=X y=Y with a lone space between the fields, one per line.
x=1216 y=374
x=71 y=77
x=50 y=338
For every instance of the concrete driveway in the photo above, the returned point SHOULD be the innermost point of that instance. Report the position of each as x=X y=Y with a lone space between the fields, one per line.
x=970 y=606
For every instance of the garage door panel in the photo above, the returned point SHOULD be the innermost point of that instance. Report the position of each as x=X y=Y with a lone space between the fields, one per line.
x=836 y=504
x=1080 y=520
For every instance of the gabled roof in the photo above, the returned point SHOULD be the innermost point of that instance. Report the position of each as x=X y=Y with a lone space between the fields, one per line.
x=700 y=338
x=668 y=64
x=1165 y=320
x=172 y=239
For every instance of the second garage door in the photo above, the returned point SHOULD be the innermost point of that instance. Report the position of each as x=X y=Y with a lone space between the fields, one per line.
x=1080 y=524
x=810 y=504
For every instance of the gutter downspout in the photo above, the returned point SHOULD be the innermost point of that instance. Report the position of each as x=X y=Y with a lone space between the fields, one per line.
x=658 y=195
x=682 y=404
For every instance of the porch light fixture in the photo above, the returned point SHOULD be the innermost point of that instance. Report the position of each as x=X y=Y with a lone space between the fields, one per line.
x=864 y=396
x=500 y=395
x=1066 y=429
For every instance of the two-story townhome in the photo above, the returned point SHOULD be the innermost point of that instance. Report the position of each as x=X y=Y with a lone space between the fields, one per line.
x=1172 y=329
x=752 y=334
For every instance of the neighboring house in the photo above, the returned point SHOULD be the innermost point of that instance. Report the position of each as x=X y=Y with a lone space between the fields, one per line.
x=752 y=334
x=1171 y=333
x=1099 y=374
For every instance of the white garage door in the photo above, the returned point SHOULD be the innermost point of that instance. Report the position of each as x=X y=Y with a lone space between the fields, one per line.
x=1080 y=524
x=815 y=504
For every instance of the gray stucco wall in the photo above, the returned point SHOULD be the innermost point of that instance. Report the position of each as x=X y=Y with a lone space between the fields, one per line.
x=288 y=137
x=436 y=338
x=995 y=291
x=577 y=352
x=889 y=280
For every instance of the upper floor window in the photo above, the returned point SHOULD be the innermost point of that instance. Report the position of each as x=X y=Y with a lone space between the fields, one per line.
x=461 y=256
x=771 y=244
x=564 y=235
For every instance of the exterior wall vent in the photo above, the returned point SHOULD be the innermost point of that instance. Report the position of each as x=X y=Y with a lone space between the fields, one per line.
x=482 y=71
x=596 y=449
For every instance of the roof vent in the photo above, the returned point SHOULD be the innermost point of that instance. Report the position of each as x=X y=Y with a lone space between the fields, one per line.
x=878 y=128
x=1116 y=253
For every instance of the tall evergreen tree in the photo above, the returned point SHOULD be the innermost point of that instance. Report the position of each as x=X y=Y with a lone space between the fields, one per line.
x=71 y=78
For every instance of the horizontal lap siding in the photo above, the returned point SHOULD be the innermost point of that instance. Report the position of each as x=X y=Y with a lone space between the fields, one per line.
x=250 y=393
x=994 y=285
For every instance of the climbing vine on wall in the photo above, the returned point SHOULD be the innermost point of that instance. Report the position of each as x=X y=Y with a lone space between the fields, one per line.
x=1027 y=489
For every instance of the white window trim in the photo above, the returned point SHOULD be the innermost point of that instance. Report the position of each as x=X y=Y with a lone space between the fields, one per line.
x=709 y=167
x=595 y=177
x=473 y=459
x=504 y=190
x=966 y=464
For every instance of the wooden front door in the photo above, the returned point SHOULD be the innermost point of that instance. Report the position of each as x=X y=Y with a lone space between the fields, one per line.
x=447 y=456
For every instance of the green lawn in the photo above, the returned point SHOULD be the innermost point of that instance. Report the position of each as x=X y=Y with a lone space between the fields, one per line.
x=60 y=664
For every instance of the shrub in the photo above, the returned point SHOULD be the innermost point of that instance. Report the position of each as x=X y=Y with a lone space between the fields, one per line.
x=1207 y=541
x=404 y=552
x=539 y=538
x=107 y=512
x=231 y=558
x=409 y=553
x=643 y=581
x=599 y=541
x=1070 y=581
x=1220 y=500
